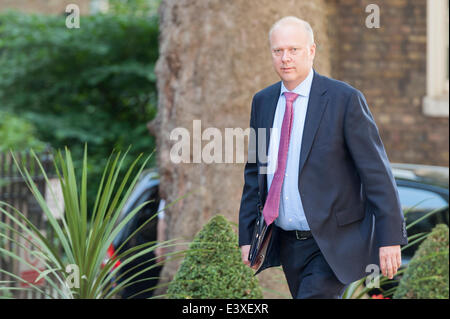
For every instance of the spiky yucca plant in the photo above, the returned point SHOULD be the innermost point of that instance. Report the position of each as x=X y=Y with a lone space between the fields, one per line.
x=84 y=239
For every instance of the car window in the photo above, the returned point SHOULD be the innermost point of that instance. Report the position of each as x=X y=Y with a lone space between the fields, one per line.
x=416 y=203
x=420 y=199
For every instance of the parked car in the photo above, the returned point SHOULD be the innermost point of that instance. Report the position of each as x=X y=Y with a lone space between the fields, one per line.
x=422 y=189
x=146 y=189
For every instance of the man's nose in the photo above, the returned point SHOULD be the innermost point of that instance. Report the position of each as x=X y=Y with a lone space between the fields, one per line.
x=285 y=56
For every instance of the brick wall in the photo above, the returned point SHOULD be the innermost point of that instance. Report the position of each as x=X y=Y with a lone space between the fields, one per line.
x=389 y=66
x=43 y=6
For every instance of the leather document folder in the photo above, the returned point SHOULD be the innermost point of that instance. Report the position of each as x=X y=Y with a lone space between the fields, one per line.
x=260 y=241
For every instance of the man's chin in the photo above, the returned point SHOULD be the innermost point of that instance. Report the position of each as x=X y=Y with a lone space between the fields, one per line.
x=287 y=79
x=290 y=81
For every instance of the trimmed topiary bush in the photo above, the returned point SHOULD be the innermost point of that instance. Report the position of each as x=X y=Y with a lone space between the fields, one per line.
x=427 y=274
x=213 y=267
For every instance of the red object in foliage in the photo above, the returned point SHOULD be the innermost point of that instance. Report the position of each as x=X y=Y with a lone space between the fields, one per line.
x=110 y=254
x=380 y=296
x=30 y=277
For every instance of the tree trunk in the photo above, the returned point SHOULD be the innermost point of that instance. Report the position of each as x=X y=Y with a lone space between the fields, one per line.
x=214 y=56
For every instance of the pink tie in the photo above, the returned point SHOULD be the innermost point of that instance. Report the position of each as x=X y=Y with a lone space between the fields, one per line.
x=272 y=205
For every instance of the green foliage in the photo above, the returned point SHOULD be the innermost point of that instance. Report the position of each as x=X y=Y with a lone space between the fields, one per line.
x=17 y=133
x=427 y=274
x=213 y=268
x=134 y=7
x=94 y=85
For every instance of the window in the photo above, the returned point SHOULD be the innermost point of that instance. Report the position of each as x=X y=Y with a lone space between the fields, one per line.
x=419 y=202
x=435 y=103
x=420 y=199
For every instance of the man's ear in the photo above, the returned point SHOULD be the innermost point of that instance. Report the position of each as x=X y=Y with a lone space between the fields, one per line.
x=312 y=50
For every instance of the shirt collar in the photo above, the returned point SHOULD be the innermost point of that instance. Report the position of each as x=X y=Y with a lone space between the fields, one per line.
x=303 y=88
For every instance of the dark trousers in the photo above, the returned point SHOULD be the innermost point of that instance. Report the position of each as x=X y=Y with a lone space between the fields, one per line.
x=308 y=274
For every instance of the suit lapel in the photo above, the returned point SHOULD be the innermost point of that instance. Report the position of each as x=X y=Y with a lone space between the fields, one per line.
x=271 y=107
x=316 y=106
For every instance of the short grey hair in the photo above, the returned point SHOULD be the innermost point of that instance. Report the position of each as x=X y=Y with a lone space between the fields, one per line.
x=292 y=19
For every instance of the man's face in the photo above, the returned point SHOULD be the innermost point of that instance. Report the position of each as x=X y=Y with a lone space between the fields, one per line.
x=292 y=54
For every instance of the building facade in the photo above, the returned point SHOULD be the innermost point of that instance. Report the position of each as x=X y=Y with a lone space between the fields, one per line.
x=402 y=69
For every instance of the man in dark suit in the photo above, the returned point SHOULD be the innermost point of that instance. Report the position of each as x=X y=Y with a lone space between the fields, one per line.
x=332 y=198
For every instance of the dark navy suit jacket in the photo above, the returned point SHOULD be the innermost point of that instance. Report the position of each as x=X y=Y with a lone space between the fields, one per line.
x=345 y=181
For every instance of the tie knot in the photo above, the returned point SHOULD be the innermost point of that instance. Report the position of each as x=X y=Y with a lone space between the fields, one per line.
x=290 y=97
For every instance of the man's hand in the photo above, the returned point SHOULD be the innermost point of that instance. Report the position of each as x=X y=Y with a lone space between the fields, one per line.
x=244 y=254
x=390 y=260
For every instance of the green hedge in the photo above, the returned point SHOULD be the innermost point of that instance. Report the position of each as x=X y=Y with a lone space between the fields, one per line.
x=93 y=85
x=427 y=274
x=213 y=269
